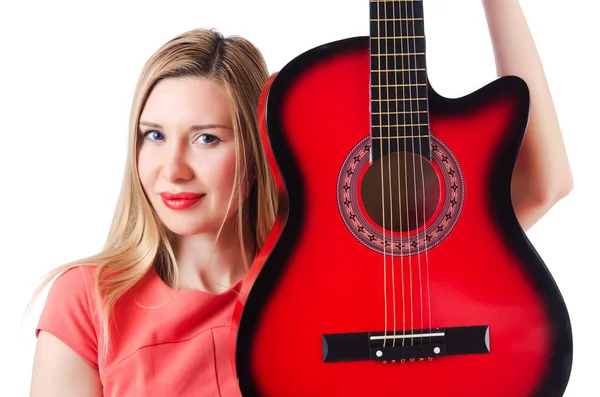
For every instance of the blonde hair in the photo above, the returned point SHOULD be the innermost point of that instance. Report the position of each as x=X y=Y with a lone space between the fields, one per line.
x=137 y=239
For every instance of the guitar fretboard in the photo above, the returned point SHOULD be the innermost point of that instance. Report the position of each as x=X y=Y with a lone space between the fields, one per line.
x=398 y=77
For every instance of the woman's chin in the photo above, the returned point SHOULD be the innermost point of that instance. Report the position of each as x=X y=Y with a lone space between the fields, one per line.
x=190 y=229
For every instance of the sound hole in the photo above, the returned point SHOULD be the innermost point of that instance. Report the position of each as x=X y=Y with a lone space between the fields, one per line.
x=404 y=179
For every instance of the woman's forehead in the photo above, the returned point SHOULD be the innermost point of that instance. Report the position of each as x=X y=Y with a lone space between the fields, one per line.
x=189 y=101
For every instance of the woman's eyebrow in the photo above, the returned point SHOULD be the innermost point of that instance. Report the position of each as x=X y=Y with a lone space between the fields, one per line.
x=194 y=127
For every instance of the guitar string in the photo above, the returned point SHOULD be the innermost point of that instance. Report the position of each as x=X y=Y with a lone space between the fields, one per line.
x=426 y=251
x=382 y=183
x=413 y=83
x=403 y=70
x=389 y=161
x=398 y=147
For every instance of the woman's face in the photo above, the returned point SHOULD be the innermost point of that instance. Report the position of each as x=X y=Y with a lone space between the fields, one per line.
x=186 y=159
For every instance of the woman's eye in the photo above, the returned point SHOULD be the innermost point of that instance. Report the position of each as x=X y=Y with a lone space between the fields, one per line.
x=208 y=139
x=154 y=135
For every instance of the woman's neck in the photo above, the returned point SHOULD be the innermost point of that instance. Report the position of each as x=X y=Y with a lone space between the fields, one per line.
x=212 y=264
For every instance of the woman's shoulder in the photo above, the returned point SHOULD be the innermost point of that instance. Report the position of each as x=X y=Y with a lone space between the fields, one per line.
x=76 y=280
x=71 y=312
x=72 y=293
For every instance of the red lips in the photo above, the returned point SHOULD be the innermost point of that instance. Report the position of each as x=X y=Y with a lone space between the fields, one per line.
x=180 y=201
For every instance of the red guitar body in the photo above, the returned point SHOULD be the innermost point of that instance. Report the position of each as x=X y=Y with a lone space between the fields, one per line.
x=326 y=281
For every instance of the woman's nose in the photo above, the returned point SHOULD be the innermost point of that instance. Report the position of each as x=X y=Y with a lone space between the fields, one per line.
x=175 y=165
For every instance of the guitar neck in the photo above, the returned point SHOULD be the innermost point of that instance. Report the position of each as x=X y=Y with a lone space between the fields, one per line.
x=398 y=78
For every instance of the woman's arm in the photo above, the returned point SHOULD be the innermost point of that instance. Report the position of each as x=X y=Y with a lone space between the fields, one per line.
x=59 y=371
x=542 y=174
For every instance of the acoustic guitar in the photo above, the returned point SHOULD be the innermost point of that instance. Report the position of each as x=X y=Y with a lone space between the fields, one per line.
x=396 y=266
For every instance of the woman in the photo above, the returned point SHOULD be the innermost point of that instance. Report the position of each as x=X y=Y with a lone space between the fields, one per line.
x=193 y=130
x=197 y=193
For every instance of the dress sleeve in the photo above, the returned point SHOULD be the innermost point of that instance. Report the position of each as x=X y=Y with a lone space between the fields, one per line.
x=67 y=313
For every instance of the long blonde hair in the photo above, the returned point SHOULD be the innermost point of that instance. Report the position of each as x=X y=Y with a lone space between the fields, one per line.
x=137 y=239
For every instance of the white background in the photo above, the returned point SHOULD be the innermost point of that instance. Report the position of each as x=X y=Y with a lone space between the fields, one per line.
x=67 y=74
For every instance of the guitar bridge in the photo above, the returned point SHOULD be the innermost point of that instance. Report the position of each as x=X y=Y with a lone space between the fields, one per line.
x=406 y=345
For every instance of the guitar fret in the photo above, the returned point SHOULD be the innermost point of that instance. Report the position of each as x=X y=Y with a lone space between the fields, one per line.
x=390 y=54
x=399 y=99
x=396 y=37
x=385 y=100
x=415 y=117
x=400 y=137
x=397 y=85
x=406 y=54
x=401 y=70
x=398 y=113
x=406 y=116
x=416 y=111
x=401 y=125
x=394 y=70
x=394 y=19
